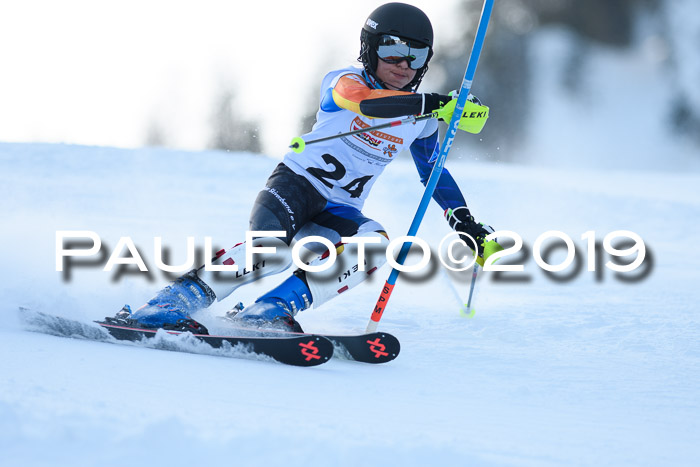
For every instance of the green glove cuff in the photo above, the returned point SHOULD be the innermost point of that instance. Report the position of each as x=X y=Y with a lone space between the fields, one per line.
x=445 y=112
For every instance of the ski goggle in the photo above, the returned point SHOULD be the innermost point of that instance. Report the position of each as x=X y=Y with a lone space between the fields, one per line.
x=393 y=49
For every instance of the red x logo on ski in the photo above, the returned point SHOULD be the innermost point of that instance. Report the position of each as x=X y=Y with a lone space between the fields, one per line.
x=309 y=350
x=378 y=348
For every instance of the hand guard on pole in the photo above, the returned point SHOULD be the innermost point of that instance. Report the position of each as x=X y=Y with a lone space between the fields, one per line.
x=473 y=118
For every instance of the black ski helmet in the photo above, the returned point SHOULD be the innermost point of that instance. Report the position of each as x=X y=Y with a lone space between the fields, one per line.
x=396 y=19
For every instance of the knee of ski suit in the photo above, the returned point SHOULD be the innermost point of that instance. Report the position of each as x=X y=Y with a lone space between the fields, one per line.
x=354 y=263
x=274 y=258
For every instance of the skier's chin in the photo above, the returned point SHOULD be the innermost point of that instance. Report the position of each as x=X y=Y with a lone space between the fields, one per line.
x=396 y=86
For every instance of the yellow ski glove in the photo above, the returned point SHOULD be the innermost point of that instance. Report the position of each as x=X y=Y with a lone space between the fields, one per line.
x=473 y=118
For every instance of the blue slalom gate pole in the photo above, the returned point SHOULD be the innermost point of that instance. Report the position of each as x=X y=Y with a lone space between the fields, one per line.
x=439 y=162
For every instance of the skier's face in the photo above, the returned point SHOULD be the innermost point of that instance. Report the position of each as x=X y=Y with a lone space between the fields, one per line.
x=395 y=75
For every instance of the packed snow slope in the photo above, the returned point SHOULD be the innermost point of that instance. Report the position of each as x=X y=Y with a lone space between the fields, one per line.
x=597 y=369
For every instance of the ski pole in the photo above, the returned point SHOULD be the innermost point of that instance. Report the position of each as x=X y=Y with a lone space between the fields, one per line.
x=467 y=309
x=439 y=163
x=298 y=144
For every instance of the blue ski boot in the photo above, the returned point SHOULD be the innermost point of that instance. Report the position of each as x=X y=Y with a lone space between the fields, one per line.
x=171 y=307
x=278 y=307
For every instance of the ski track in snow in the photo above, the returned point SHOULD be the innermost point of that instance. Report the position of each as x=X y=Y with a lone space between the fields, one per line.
x=546 y=373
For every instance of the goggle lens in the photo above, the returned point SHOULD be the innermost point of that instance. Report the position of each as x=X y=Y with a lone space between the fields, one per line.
x=393 y=49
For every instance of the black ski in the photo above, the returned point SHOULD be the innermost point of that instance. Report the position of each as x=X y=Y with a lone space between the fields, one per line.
x=375 y=347
x=299 y=350
x=292 y=350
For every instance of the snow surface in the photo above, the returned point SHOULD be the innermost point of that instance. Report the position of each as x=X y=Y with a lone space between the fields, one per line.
x=584 y=372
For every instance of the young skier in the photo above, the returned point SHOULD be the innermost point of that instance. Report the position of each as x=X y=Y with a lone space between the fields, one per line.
x=321 y=191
